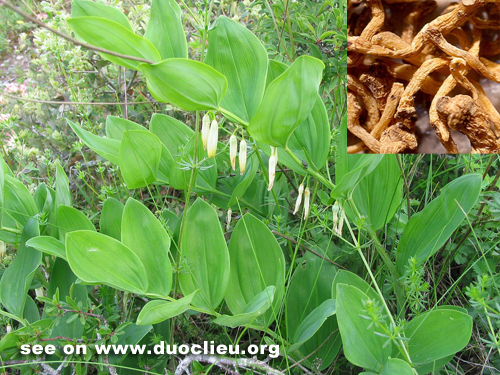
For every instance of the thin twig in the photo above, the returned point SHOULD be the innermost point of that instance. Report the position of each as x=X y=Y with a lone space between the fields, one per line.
x=68 y=38
x=283 y=170
x=111 y=369
x=70 y=103
x=97 y=316
x=254 y=364
x=315 y=350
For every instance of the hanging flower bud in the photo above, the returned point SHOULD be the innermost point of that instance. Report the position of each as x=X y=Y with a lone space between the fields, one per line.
x=39 y=292
x=307 y=202
x=341 y=223
x=205 y=126
x=243 y=156
x=228 y=221
x=299 y=198
x=336 y=211
x=233 y=149
x=273 y=161
x=3 y=250
x=338 y=218
x=213 y=138
x=8 y=329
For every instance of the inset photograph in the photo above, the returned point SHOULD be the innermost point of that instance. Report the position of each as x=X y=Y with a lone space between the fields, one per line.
x=423 y=76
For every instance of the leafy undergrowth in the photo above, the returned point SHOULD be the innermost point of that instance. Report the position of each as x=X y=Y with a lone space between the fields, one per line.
x=216 y=202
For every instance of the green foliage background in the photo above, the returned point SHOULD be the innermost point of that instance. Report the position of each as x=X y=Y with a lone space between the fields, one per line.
x=379 y=198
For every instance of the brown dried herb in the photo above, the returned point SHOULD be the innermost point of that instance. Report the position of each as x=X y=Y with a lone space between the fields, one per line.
x=403 y=61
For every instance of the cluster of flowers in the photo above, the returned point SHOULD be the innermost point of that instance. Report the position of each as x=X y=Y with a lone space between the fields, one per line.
x=210 y=137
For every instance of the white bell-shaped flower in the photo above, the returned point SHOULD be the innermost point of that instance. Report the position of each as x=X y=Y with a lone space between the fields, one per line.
x=213 y=138
x=233 y=150
x=205 y=127
x=299 y=199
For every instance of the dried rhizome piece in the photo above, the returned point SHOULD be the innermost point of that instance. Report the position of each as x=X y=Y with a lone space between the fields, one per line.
x=430 y=63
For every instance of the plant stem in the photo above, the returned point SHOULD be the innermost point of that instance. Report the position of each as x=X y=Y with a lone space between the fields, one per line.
x=374 y=281
x=313 y=173
x=225 y=112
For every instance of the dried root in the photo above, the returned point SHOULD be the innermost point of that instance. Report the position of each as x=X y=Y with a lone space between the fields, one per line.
x=405 y=60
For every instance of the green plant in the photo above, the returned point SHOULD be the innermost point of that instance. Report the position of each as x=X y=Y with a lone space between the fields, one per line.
x=154 y=269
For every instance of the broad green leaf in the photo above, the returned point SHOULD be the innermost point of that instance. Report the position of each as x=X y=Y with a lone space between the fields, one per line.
x=116 y=126
x=17 y=278
x=70 y=219
x=173 y=133
x=257 y=306
x=180 y=175
x=433 y=366
x=243 y=181
x=31 y=313
x=87 y=8
x=130 y=334
x=397 y=366
x=274 y=70
x=96 y=258
x=310 y=142
x=4 y=169
x=140 y=153
x=62 y=280
x=378 y=195
x=362 y=346
x=256 y=263
x=145 y=236
x=165 y=29
x=107 y=148
x=364 y=166
x=288 y=101
x=43 y=198
x=158 y=311
x=111 y=218
x=63 y=196
x=178 y=140
x=187 y=84
x=115 y=37
x=429 y=229
x=12 y=340
x=312 y=323
x=238 y=54
x=310 y=287
x=351 y=279
x=437 y=334
x=18 y=206
x=48 y=245
x=205 y=256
